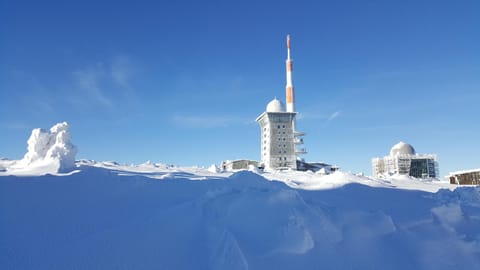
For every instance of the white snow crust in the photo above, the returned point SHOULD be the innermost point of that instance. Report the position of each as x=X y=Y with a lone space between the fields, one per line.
x=158 y=216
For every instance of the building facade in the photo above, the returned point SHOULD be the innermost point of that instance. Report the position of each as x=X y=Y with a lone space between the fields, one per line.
x=405 y=161
x=239 y=164
x=277 y=137
x=470 y=177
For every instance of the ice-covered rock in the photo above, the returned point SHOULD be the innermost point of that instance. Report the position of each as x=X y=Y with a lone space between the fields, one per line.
x=49 y=151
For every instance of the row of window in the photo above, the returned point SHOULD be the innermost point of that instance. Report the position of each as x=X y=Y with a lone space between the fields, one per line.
x=278 y=126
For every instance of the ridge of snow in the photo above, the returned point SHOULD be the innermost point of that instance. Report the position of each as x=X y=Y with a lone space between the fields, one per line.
x=124 y=217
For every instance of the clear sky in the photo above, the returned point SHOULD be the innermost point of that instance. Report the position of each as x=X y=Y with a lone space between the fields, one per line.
x=181 y=82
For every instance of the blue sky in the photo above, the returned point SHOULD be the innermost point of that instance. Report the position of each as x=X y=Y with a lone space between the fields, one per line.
x=182 y=82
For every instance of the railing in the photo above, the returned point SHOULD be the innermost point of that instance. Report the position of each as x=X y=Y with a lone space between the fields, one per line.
x=301 y=151
x=297 y=141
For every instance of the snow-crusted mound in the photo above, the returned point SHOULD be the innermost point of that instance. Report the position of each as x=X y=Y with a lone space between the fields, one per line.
x=49 y=151
x=106 y=218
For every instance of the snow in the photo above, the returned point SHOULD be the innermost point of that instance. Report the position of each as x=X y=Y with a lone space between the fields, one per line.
x=48 y=152
x=59 y=214
x=108 y=216
x=465 y=171
x=214 y=168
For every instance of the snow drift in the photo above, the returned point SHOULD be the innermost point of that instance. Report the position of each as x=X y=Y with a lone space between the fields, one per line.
x=104 y=217
x=48 y=152
x=155 y=216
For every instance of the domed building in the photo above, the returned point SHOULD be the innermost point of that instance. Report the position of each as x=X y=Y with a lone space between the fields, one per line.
x=277 y=135
x=281 y=142
x=275 y=106
x=402 y=148
x=405 y=161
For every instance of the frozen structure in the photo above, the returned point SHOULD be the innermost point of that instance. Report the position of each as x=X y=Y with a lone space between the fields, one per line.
x=48 y=151
x=281 y=142
x=404 y=160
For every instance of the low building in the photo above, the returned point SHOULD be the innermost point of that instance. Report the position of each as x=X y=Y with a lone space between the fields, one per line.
x=240 y=164
x=470 y=177
x=405 y=161
x=316 y=167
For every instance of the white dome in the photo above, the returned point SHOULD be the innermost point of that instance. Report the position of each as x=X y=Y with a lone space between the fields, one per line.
x=275 y=106
x=402 y=148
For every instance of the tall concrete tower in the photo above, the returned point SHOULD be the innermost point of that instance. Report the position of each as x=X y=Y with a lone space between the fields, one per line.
x=281 y=142
x=277 y=137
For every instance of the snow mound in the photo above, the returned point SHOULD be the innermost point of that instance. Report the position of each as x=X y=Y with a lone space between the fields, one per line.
x=49 y=151
x=105 y=217
x=213 y=168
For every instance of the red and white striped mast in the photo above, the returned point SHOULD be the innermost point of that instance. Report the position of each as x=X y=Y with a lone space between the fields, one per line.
x=290 y=92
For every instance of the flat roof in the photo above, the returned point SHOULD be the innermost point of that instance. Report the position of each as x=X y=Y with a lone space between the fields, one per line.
x=465 y=171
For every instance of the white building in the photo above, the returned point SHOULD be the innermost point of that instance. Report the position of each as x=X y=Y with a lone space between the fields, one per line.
x=404 y=160
x=277 y=135
x=281 y=142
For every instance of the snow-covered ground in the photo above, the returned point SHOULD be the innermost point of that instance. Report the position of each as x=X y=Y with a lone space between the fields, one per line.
x=105 y=215
x=153 y=216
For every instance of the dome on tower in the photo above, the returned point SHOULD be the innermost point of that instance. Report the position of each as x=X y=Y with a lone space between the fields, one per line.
x=402 y=148
x=275 y=106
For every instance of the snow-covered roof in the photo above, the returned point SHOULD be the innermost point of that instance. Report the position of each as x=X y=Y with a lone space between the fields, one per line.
x=465 y=171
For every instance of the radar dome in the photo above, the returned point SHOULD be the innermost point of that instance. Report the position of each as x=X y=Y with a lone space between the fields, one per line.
x=402 y=148
x=275 y=106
